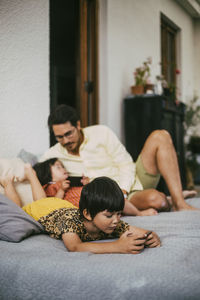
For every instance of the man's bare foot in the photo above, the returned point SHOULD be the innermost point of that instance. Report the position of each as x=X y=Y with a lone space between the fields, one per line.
x=149 y=212
x=185 y=206
x=186 y=194
x=189 y=194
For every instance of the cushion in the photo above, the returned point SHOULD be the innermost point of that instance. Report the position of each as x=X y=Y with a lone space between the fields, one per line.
x=12 y=166
x=15 y=166
x=28 y=157
x=15 y=224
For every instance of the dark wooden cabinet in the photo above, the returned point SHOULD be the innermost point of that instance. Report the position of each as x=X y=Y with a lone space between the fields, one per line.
x=146 y=113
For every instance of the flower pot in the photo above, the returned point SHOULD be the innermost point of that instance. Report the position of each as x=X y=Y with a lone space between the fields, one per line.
x=137 y=89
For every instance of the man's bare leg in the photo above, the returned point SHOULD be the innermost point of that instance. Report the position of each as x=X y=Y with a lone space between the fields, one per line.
x=151 y=198
x=158 y=156
x=9 y=189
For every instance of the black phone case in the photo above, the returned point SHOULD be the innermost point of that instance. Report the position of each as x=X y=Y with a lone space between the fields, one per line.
x=75 y=180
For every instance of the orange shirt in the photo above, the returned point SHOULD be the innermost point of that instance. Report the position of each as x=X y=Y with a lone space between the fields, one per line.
x=72 y=195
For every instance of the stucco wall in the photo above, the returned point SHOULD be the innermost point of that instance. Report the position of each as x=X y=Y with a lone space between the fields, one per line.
x=197 y=57
x=24 y=76
x=129 y=33
x=133 y=34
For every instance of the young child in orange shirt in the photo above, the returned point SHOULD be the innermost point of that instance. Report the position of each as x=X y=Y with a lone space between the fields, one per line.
x=56 y=181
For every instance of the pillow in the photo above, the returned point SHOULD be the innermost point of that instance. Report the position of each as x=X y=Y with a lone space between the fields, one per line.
x=15 y=166
x=12 y=166
x=15 y=224
x=28 y=157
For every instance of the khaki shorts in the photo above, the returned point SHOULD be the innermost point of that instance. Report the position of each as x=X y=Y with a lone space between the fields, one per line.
x=148 y=181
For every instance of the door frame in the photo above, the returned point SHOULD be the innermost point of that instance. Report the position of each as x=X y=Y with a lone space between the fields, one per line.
x=88 y=88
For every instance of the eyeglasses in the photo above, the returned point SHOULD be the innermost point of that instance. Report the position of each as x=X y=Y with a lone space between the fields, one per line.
x=67 y=134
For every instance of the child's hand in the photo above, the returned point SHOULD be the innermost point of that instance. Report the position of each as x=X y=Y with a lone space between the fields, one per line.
x=65 y=184
x=131 y=243
x=85 y=180
x=137 y=230
x=152 y=240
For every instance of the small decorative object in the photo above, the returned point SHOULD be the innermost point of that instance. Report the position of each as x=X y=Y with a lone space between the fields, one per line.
x=158 y=89
x=141 y=76
x=149 y=88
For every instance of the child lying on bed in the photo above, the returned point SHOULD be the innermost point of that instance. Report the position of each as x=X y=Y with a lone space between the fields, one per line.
x=55 y=181
x=54 y=178
x=97 y=218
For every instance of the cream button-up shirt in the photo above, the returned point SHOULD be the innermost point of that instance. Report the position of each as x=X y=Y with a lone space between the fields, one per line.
x=101 y=154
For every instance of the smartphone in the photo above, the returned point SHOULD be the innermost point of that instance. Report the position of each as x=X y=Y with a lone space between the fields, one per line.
x=75 y=180
x=148 y=233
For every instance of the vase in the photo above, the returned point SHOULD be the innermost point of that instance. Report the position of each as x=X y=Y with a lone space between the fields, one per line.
x=137 y=89
x=149 y=87
x=158 y=88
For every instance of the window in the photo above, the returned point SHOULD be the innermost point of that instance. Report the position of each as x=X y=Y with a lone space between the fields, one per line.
x=169 y=50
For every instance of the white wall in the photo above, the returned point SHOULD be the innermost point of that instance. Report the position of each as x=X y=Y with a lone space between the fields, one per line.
x=129 y=42
x=24 y=76
x=133 y=34
x=129 y=33
x=197 y=57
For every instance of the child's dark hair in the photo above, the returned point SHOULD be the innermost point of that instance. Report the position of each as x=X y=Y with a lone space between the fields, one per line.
x=101 y=194
x=43 y=170
x=63 y=114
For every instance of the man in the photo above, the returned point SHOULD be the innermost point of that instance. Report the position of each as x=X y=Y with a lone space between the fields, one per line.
x=96 y=151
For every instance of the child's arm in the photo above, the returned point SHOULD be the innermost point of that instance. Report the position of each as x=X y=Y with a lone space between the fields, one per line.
x=60 y=194
x=65 y=184
x=37 y=190
x=127 y=243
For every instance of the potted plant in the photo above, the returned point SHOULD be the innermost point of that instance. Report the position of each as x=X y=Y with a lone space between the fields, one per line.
x=192 y=137
x=141 y=76
x=171 y=90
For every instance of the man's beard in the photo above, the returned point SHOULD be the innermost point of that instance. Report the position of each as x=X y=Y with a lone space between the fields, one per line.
x=71 y=147
x=68 y=145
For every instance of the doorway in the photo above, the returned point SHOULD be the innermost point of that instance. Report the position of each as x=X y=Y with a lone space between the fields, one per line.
x=73 y=57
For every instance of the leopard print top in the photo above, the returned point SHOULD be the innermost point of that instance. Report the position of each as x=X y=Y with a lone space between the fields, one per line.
x=66 y=220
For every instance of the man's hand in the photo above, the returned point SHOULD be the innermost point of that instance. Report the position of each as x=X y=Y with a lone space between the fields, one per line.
x=85 y=180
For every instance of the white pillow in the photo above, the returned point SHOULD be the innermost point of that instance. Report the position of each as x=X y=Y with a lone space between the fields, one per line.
x=12 y=166
x=28 y=157
x=15 y=166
